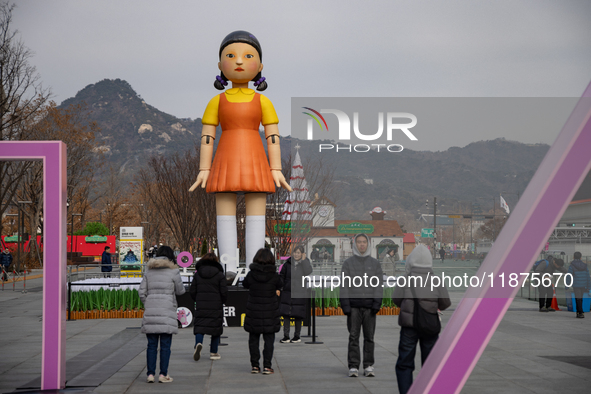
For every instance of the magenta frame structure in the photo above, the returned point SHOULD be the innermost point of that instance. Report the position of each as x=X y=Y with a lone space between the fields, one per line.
x=53 y=155
x=525 y=233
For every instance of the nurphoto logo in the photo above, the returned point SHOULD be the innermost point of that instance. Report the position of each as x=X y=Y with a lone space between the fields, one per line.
x=393 y=122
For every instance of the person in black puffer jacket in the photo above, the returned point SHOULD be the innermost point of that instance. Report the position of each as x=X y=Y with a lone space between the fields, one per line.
x=262 y=308
x=209 y=290
x=292 y=271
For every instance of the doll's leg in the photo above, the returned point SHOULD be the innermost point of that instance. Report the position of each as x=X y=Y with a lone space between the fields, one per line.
x=256 y=204
x=227 y=234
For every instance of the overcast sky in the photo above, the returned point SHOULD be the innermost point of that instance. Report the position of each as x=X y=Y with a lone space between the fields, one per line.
x=168 y=50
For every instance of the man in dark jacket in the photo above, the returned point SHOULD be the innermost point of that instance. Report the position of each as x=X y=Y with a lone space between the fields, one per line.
x=106 y=265
x=5 y=261
x=293 y=303
x=262 y=308
x=361 y=303
x=418 y=263
x=581 y=281
x=545 y=268
x=210 y=291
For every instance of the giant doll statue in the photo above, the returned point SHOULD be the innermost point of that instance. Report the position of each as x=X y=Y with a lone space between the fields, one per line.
x=240 y=164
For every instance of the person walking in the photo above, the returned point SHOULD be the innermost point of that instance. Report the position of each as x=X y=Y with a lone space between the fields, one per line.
x=361 y=304
x=292 y=272
x=210 y=291
x=262 y=309
x=106 y=264
x=442 y=254
x=581 y=281
x=161 y=284
x=418 y=263
x=5 y=261
x=545 y=268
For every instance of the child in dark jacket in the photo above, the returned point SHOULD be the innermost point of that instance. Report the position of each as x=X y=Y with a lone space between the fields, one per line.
x=581 y=281
x=210 y=291
x=262 y=308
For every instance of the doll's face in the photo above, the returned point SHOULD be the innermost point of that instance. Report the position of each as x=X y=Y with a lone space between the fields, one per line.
x=240 y=62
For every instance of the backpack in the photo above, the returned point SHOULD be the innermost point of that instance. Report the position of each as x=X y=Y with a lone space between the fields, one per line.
x=426 y=323
x=537 y=263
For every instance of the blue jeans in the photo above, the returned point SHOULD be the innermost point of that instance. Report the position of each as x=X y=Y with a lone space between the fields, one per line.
x=215 y=341
x=152 y=353
x=407 y=349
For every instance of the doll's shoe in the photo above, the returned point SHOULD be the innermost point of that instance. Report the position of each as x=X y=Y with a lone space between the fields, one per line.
x=197 y=352
x=150 y=379
x=164 y=379
x=215 y=356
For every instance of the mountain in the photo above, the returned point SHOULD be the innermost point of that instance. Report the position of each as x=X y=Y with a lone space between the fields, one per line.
x=132 y=130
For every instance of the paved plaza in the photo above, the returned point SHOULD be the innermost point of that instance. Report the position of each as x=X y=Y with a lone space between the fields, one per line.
x=531 y=352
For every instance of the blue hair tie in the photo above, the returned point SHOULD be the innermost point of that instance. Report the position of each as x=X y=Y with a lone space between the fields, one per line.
x=221 y=80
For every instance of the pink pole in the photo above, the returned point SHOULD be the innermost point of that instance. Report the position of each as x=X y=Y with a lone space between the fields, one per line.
x=53 y=155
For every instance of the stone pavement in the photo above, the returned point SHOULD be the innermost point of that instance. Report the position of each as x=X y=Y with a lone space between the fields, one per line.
x=531 y=352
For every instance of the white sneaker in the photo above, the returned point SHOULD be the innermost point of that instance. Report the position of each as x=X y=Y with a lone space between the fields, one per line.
x=150 y=378
x=197 y=352
x=353 y=372
x=369 y=372
x=215 y=356
x=164 y=379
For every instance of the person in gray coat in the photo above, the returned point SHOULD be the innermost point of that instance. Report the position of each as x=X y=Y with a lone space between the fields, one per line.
x=161 y=284
x=418 y=263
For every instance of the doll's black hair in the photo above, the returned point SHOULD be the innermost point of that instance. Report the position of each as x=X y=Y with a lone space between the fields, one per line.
x=247 y=38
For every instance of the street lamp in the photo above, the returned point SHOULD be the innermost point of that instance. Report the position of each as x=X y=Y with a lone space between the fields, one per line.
x=72 y=234
x=21 y=230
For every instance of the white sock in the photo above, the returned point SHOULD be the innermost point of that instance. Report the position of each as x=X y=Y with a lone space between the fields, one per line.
x=255 y=236
x=227 y=242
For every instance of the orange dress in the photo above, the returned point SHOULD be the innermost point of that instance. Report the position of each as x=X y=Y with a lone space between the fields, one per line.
x=240 y=164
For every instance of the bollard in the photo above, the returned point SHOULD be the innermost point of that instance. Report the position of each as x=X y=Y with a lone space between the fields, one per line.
x=308 y=308
x=314 y=341
x=13 y=277
x=25 y=281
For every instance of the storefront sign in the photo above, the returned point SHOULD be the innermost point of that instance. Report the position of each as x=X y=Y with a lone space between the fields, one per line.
x=283 y=228
x=96 y=238
x=355 y=228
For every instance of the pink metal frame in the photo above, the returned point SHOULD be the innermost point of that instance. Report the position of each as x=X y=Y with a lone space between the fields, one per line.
x=53 y=155
x=540 y=208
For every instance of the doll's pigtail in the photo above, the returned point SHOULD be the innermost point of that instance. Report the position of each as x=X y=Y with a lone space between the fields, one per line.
x=220 y=82
x=260 y=82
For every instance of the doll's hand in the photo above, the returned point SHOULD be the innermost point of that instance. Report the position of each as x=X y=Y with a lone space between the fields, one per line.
x=279 y=180
x=201 y=180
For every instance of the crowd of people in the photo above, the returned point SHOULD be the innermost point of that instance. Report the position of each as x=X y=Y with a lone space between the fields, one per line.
x=272 y=295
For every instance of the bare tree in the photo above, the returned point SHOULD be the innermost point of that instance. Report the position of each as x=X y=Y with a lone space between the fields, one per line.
x=22 y=99
x=166 y=182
